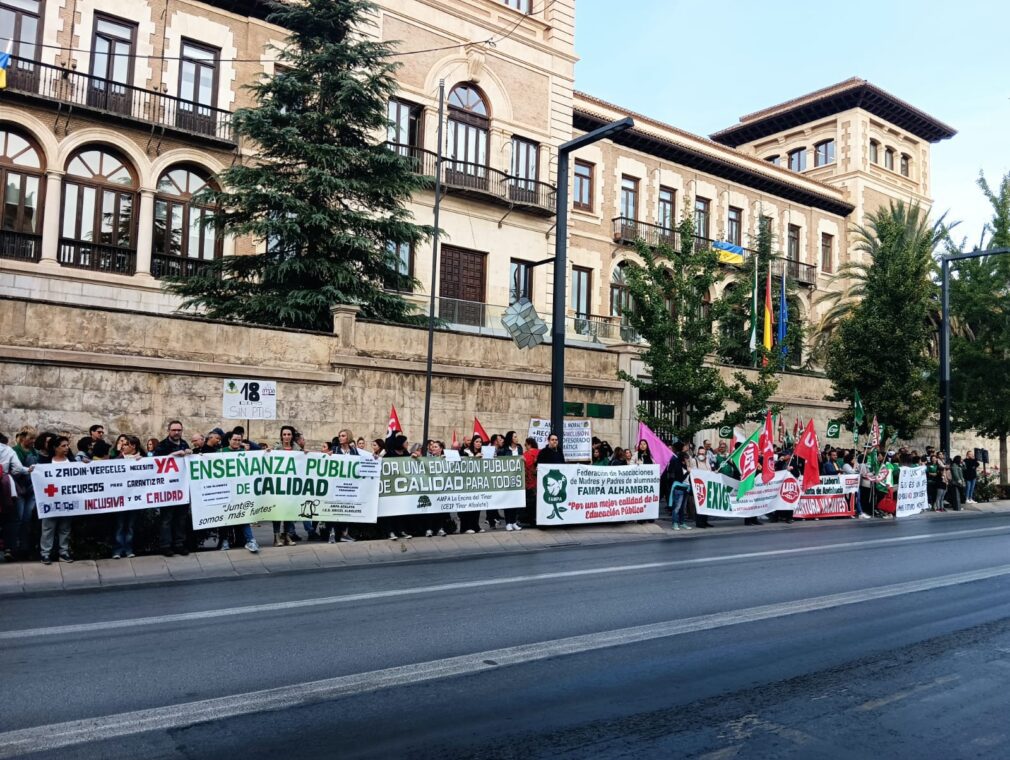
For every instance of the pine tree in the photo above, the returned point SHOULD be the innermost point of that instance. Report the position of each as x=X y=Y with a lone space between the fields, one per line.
x=883 y=346
x=980 y=353
x=668 y=293
x=322 y=192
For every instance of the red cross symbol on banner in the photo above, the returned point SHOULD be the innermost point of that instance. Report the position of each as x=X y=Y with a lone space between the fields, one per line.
x=51 y=490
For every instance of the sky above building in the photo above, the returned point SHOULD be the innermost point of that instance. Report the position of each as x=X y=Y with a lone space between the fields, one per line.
x=700 y=66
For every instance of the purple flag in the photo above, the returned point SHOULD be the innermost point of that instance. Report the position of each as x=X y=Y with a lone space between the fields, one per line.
x=661 y=453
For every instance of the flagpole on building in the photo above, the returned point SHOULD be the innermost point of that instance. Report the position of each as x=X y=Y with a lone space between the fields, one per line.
x=434 y=263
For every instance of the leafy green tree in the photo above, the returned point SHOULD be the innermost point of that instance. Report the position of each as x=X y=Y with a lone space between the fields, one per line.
x=324 y=195
x=669 y=292
x=883 y=344
x=735 y=311
x=980 y=353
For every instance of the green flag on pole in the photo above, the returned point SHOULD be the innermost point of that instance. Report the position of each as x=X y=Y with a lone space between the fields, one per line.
x=858 y=415
x=745 y=457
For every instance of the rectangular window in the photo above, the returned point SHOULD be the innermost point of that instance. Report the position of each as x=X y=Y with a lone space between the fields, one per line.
x=582 y=280
x=776 y=160
x=667 y=199
x=403 y=261
x=629 y=197
x=404 y=129
x=523 y=6
x=889 y=159
x=905 y=165
x=20 y=30
x=824 y=153
x=874 y=152
x=525 y=162
x=198 y=88
x=794 y=242
x=520 y=281
x=701 y=217
x=734 y=226
x=798 y=159
x=827 y=254
x=582 y=196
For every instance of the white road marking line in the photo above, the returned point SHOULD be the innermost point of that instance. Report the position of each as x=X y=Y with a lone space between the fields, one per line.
x=57 y=735
x=253 y=609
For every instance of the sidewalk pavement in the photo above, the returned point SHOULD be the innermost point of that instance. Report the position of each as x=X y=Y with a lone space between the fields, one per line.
x=18 y=578
x=31 y=577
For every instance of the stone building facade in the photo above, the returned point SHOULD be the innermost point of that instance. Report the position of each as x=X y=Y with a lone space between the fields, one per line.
x=117 y=111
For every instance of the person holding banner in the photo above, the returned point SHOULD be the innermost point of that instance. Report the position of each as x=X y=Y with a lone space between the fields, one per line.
x=434 y=522
x=282 y=529
x=396 y=446
x=678 y=486
x=469 y=522
x=530 y=461
x=236 y=443
x=129 y=448
x=174 y=520
x=59 y=453
x=510 y=448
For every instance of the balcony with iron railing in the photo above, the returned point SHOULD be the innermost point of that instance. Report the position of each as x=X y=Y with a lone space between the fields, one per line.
x=72 y=91
x=20 y=246
x=630 y=231
x=482 y=182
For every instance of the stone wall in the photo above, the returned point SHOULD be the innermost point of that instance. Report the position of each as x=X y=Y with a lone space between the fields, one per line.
x=66 y=367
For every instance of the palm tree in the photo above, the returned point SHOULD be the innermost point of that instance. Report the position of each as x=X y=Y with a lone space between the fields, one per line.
x=901 y=230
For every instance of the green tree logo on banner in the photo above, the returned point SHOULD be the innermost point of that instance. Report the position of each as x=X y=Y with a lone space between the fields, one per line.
x=556 y=493
x=423 y=502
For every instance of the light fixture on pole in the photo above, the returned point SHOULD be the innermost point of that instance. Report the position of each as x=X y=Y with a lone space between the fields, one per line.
x=561 y=267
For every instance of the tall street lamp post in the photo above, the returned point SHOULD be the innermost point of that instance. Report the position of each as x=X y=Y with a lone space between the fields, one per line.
x=561 y=268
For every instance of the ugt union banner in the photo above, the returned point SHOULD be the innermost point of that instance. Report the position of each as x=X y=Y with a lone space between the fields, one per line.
x=69 y=489
x=716 y=494
x=433 y=485
x=577 y=494
x=233 y=488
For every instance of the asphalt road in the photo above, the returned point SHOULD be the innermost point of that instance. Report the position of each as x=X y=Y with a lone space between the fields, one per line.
x=852 y=639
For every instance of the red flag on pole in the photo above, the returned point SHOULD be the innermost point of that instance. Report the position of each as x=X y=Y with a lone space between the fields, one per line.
x=807 y=448
x=455 y=444
x=478 y=429
x=767 y=446
x=394 y=423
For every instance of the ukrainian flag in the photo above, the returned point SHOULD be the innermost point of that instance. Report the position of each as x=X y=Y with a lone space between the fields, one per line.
x=728 y=253
x=5 y=62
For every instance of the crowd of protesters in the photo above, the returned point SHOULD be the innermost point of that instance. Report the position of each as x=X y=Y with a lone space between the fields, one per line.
x=169 y=529
x=23 y=535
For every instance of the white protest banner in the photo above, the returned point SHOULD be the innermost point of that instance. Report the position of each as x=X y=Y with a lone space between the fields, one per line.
x=68 y=489
x=715 y=494
x=576 y=494
x=249 y=399
x=834 y=497
x=578 y=439
x=912 y=497
x=432 y=485
x=232 y=488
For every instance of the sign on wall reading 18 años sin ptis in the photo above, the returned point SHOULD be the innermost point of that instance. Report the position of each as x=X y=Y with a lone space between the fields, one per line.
x=576 y=493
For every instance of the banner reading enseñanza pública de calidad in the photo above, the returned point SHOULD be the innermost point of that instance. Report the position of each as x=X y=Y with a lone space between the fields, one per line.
x=233 y=488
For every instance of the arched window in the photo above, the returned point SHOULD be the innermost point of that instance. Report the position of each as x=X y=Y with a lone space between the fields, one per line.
x=874 y=152
x=182 y=237
x=620 y=293
x=468 y=136
x=98 y=230
x=21 y=178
